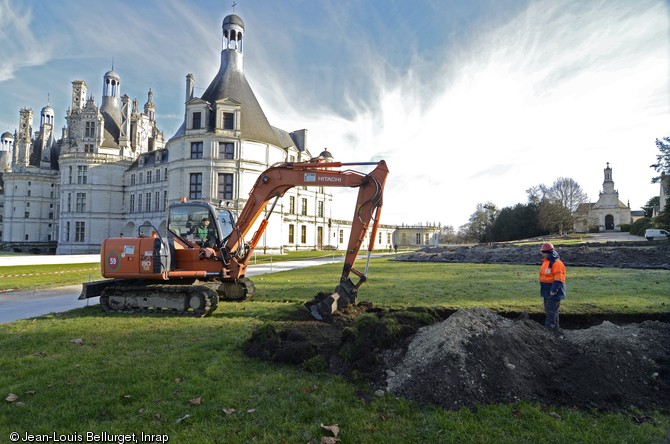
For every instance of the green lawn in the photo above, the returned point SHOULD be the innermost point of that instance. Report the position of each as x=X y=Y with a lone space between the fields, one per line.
x=90 y=371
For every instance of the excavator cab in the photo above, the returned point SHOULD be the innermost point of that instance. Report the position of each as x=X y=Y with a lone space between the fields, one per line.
x=200 y=224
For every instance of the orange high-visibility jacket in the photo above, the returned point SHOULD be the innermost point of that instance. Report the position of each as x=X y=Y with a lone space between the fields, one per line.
x=552 y=278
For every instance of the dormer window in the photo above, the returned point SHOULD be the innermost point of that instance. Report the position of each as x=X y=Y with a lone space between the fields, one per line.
x=197 y=120
x=228 y=121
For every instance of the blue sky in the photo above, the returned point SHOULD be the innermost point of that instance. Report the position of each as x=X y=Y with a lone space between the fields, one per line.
x=468 y=101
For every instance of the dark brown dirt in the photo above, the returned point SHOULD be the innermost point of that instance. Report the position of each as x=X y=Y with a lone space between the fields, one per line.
x=476 y=356
x=614 y=255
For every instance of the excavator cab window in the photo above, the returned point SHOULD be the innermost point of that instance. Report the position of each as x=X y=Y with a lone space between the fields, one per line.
x=227 y=222
x=195 y=224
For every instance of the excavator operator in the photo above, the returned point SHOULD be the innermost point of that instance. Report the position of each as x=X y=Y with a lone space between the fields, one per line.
x=203 y=234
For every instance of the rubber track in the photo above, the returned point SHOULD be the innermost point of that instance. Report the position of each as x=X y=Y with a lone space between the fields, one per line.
x=180 y=291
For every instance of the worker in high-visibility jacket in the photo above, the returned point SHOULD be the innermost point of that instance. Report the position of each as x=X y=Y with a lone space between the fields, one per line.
x=552 y=284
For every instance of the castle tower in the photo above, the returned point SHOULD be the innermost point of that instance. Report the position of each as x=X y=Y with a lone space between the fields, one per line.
x=6 y=150
x=150 y=107
x=111 y=109
x=21 y=156
x=79 y=91
x=6 y=142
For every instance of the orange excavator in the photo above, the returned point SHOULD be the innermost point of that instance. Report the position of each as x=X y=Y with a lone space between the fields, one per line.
x=202 y=258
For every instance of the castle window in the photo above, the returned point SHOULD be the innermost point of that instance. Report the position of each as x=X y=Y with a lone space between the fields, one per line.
x=228 y=121
x=82 y=173
x=147 y=208
x=195 y=186
x=88 y=148
x=132 y=179
x=291 y=205
x=291 y=234
x=225 y=186
x=320 y=209
x=196 y=150
x=148 y=176
x=157 y=202
x=69 y=202
x=132 y=203
x=341 y=236
x=26 y=215
x=303 y=208
x=226 y=150
x=67 y=232
x=89 y=130
x=80 y=203
x=197 y=120
x=79 y=231
x=303 y=234
x=139 y=202
x=158 y=175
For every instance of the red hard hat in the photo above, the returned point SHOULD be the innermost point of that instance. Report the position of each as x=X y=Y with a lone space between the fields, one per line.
x=548 y=246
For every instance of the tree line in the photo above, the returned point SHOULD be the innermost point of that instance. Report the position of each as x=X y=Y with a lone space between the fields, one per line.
x=551 y=210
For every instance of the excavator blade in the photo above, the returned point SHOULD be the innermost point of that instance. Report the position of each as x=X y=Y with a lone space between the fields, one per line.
x=323 y=309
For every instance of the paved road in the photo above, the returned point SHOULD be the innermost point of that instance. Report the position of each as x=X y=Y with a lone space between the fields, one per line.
x=15 y=305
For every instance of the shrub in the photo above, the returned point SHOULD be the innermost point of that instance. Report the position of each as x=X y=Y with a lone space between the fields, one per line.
x=625 y=227
x=594 y=229
x=638 y=227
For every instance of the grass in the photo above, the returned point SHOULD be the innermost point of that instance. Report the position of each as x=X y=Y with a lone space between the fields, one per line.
x=24 y=277
x=499 y=287
x=89 y=371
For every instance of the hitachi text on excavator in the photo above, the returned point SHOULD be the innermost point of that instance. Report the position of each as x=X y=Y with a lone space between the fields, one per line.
x=202 y=258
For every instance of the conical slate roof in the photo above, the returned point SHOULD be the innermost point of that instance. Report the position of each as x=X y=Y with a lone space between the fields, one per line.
x=231 y=83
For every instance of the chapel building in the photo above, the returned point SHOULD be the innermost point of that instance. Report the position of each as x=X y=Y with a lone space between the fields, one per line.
x=607 y=214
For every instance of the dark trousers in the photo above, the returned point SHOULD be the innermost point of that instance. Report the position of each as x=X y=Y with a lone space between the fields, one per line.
x=551 y=309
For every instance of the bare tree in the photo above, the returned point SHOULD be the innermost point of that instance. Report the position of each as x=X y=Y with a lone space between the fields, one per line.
x=537 y=193
x=568 y=193
x=554 y=217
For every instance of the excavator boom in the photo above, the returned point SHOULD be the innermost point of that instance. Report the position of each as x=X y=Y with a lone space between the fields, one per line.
x=277 y=180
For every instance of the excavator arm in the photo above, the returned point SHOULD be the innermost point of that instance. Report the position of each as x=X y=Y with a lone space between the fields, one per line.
x=276 y=181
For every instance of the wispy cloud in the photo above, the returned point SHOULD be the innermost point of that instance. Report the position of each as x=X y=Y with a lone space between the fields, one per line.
x=20 y=46
x=557 y=90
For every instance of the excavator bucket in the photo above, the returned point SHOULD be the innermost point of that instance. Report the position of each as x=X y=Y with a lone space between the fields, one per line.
x=323 y=309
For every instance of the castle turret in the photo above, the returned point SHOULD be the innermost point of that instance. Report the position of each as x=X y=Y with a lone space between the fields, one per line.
x=150 y=107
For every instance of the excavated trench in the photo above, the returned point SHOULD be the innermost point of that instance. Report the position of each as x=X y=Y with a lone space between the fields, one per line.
x=476 y=356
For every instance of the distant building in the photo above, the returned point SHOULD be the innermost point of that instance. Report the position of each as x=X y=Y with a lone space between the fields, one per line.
x=607 y=214
x=111 y=169
x=417 y=235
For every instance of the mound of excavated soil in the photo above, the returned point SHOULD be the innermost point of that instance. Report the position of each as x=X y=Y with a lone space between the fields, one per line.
x=477 y=356
x=637 y=255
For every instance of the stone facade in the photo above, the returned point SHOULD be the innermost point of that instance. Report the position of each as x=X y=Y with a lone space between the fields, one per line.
x=607 y=214
x=417 y=235
x=112 y=170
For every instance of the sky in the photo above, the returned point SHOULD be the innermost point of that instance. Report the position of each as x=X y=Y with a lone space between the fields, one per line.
x=468 y=101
